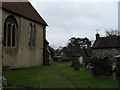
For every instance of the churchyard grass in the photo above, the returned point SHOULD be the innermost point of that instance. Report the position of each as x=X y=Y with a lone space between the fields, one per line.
x=58 y=75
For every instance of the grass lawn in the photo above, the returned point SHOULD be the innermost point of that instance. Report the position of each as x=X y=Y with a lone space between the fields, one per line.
x=58 y=75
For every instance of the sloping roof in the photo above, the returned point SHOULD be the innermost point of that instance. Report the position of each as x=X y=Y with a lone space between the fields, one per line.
x=24 y=9
x=107 y=42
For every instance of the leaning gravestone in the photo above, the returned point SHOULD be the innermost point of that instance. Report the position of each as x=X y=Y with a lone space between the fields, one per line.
x=75 y=62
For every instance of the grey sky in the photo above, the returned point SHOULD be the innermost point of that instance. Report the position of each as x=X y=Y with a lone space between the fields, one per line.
x=76 y=19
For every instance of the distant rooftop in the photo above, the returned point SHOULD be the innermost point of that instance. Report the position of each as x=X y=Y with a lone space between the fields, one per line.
x=107 y=42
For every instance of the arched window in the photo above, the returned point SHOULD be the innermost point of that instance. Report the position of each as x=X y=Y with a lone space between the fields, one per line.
x=10 y=32
x=32 y=35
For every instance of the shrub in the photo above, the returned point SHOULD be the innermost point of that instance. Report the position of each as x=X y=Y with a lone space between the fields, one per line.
x=101 y=66
x=86 y=61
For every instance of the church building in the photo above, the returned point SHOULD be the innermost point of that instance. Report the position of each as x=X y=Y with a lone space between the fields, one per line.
x=23 y=35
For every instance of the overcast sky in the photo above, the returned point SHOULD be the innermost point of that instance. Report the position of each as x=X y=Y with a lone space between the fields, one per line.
x=76 y=19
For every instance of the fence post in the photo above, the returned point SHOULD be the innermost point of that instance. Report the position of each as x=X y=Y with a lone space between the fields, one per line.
x=118 y=66
x=118 y=69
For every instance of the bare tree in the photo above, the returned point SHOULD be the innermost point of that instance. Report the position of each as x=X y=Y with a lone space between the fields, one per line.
x=112 y=32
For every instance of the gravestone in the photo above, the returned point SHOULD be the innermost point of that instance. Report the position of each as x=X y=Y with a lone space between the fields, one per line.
x=75 y=62
x=4 y=81
x=80 y=59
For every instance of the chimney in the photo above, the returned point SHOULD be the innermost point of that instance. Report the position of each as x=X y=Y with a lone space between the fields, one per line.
x=97 y=36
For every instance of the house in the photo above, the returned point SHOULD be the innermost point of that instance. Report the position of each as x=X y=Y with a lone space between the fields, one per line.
x=106 y=46
x=24 y=33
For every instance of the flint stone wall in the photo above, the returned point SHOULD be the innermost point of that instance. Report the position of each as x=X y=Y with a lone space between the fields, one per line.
x=106 y=52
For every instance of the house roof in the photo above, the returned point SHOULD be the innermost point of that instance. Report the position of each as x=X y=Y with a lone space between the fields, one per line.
x=24 y=9
x=107 y=42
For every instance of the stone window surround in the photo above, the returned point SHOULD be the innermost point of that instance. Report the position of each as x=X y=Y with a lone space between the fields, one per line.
x=12 y=41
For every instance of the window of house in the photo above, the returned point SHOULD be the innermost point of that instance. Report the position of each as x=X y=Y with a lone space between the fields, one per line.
x=32 y=35
x=10 y=32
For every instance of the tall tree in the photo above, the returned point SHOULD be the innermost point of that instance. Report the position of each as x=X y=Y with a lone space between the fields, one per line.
x=75 y=45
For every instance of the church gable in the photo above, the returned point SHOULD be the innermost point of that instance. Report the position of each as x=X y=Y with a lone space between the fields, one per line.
x=24 y=9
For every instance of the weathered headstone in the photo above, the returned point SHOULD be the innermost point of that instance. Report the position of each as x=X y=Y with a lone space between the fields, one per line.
x=4 y=81
x=75 y=62
x=80 y=59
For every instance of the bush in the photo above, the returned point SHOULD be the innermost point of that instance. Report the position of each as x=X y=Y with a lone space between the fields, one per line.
x=101 y=66
x=87 y=61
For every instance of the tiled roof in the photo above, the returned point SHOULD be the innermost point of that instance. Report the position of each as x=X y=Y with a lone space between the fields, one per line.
x=24 y=9
x=107 y=42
